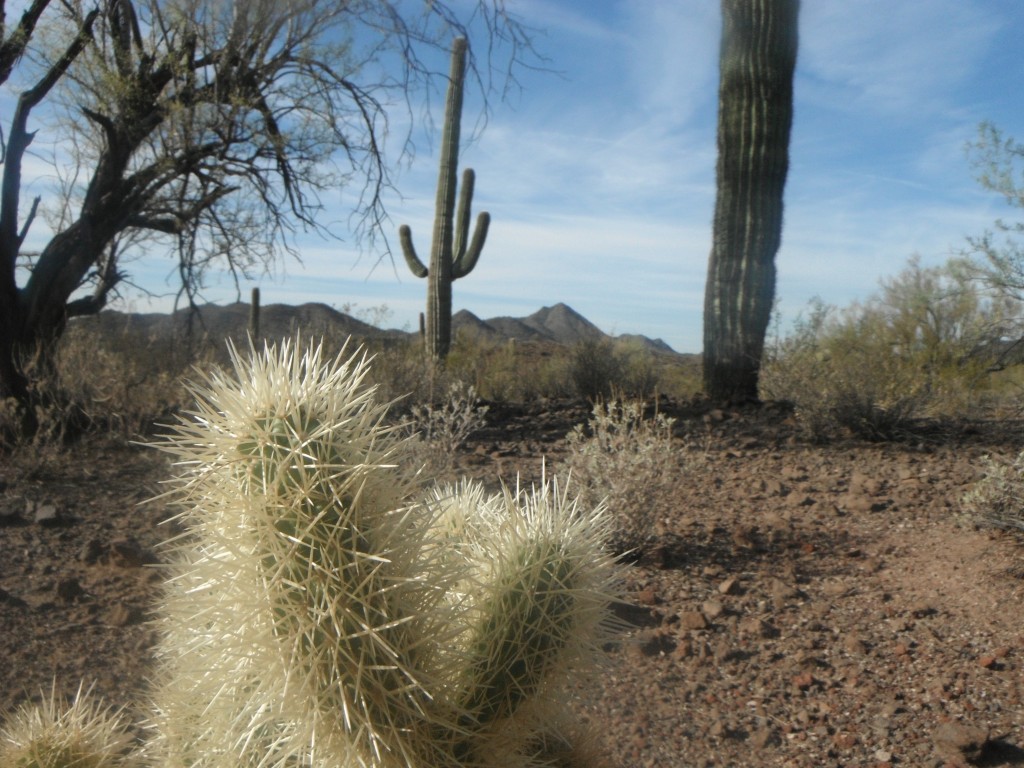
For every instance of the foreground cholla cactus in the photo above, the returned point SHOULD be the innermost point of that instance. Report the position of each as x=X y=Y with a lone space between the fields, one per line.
x=81 y=734
x=320 y=613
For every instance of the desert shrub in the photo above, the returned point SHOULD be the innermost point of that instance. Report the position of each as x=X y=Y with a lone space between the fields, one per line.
x=437 y=431
x=608 y=368
x=510 y=370
x=997 y=500
x=628 y=460
x=595 y=369
x=915 y=350
x=76 y=734
x=115 y=383
x=639 y=371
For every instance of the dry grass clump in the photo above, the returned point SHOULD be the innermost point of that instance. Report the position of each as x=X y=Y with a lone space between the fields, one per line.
x=997 y=500
x=629 y=461
x=437 y=431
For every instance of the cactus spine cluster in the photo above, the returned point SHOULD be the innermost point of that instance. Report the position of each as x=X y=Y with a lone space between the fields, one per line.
x=80 y=735
x=324 y=611
x=452 y=253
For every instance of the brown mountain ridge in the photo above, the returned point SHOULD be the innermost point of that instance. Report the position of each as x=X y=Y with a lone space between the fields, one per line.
x=560 y=324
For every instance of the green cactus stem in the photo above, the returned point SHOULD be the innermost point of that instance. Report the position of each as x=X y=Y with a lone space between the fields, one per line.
x=254 y=314
x=453 y=254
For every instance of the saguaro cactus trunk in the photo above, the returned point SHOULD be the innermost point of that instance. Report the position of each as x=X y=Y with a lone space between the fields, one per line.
x=452 y=254
x=755 y=113
x=254 y=314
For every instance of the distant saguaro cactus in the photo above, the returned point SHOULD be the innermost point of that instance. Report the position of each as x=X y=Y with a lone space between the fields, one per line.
x=254 y=314
x=452 y=254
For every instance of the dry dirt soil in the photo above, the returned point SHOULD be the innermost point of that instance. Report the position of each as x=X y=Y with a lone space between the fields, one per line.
x=804 y=605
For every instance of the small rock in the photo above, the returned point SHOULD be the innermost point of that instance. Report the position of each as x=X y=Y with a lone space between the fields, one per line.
x=646 y=597
x=69 y=589
x=854 y=645
x=693 y=620
x=730 y=586
x=712 y=609
x=958 y=740
x=654 y=642
x=844 y=741
x=756 y=627
x=46 y=514
x=782 y=592
x=764 y=737
x=803 y=681
x=836 y=588
x=716 y=416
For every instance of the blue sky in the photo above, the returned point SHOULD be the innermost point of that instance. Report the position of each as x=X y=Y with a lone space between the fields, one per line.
x=600 y=178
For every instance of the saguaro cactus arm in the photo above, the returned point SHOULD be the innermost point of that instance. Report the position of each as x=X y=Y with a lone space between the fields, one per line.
x=409 y=251
x=466 y=257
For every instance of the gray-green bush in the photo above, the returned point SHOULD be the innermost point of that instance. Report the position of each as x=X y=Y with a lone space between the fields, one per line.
x=627 y=460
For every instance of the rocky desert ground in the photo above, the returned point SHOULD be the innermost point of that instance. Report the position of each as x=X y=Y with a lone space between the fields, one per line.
x=802 y=605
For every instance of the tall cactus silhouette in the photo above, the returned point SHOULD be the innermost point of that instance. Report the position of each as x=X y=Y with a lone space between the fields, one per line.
x=755 y=115
x=452 y=254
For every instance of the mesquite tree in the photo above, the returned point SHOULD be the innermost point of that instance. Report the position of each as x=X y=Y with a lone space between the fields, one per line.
x=755 y=113
x=452 y=253
x=205 y=129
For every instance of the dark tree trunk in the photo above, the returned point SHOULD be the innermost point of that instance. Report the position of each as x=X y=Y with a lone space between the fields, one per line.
x=33 y=318
x=755 y=113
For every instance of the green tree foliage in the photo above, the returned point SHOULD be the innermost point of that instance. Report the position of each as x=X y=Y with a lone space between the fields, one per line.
x=997 y=257
x=921 y=346
x=755 y=113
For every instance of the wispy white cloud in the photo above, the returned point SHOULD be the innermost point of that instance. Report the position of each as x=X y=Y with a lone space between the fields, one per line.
x=903 y=60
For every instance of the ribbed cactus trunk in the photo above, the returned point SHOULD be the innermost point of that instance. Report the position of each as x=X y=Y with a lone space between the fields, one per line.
x=452 y=255
x=254 y=314
x=439 y=292
x=755 y=113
